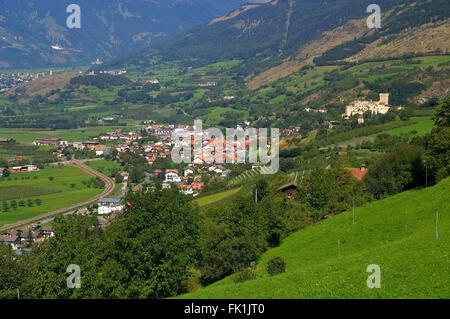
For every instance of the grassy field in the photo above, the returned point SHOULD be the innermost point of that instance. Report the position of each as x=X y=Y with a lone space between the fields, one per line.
x=65 y=189
x=203 y=201
x=421 y=125
x=217 y=114
x=104 y=166
x=23 y=191
x=330 y=258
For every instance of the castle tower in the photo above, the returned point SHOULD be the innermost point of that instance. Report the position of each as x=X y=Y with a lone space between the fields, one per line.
x=384 y=98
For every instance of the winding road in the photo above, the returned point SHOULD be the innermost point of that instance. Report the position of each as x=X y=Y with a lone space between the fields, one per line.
x=109 y=188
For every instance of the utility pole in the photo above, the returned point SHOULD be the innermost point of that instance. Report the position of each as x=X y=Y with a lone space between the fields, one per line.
x=18 y=293
x=256 y=195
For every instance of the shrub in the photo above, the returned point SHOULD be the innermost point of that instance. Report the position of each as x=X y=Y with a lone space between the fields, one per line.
x=244 y=275
x=276 y=265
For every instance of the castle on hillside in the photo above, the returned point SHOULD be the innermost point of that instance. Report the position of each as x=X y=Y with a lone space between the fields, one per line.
x=361 y=107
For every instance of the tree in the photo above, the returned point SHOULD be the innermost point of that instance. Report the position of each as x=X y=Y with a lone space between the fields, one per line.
x=231 y=238
x=14 y=204
x=396 y=171
x=12 y=272
x=437 y=157
x=118 y=177
x=160 y=232
x=5 y=172
x=442 y=114
x=261 y=189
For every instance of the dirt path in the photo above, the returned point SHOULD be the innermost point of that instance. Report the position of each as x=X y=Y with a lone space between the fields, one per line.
x=109 y=188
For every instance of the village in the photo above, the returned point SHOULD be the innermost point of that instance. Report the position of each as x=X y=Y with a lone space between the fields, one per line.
x=10 y=81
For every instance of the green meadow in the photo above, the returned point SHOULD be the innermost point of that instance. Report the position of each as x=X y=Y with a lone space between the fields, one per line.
x=330 y=259
x=419 y=126
x=65 y=189
x=104 y=166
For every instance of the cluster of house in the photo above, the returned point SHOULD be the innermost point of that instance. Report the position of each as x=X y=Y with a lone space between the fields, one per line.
x=361 y=107
x=290 y=131
x=318 y=110
x=120 y=135
x=186 y=181
x=100 y=149
x=110 y=72
x=21 y=239
x=10 y=81
x=207 y=84
x=148 y=81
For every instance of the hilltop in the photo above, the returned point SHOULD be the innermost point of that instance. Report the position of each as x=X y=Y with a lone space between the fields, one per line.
x=397 y=233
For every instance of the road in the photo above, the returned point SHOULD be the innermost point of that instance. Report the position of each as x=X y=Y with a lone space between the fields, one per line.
x=109 y=188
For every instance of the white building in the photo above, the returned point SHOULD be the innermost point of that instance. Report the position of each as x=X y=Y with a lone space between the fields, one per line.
x=361 y=107
x=172 y=176
x=109 y=205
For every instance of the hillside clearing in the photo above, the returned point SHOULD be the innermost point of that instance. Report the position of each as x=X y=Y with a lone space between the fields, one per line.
x=203 y=201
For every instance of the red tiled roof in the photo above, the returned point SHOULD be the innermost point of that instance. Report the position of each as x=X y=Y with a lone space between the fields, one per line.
x=358 y=173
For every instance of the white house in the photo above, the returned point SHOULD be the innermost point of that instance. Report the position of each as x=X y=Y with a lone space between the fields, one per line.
x=172 y=176
x=109 y=205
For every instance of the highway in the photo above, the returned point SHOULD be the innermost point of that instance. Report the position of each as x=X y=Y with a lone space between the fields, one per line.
x=109 y=188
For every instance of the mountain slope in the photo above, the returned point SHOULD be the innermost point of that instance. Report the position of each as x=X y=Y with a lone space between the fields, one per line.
x=397 y=233
x=270 y=28
x=415 y=28
x=29 y=29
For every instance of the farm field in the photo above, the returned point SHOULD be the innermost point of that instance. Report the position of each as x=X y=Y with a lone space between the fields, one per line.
x=329 y=259
x=65 y=189
x=203 y=201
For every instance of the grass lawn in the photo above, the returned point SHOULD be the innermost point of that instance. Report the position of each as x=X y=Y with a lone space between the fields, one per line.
x=329 y=259
x=66 y=189
x=203 y=201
